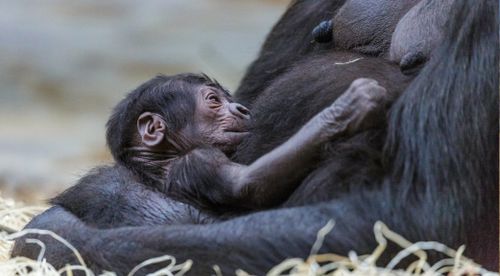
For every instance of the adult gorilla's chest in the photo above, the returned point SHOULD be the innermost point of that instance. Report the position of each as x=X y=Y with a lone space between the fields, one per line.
x=305 y=89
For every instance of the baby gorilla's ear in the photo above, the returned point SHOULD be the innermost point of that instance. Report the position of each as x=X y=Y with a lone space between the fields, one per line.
x=151 y=128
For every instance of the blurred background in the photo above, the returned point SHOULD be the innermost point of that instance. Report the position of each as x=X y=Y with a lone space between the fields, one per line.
x=64 y=64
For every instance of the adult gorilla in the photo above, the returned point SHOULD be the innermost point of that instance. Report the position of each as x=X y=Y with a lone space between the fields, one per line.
x=438 y=179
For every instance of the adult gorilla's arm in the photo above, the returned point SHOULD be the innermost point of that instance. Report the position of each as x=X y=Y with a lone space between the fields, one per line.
x=254 y=243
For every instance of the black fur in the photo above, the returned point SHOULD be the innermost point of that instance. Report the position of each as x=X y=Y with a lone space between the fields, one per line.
x=112 y=196
x=160 y=95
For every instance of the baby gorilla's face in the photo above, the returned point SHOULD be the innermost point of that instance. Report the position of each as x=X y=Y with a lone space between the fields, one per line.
x=219 y=121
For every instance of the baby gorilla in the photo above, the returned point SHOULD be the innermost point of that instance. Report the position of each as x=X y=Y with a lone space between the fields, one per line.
x=173 y=134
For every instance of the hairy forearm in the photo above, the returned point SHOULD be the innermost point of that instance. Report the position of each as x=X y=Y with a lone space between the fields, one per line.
x=276 y=174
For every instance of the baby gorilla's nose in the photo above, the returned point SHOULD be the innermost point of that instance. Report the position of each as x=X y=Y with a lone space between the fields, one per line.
x=239 y=110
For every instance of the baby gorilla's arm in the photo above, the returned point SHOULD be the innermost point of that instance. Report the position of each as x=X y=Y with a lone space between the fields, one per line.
x=271 y=178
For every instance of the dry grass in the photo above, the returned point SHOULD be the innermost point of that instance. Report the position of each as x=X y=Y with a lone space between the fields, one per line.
x=13 y=216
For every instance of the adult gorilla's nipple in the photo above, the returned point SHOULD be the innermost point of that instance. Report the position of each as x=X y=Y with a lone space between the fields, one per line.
x=323 y=33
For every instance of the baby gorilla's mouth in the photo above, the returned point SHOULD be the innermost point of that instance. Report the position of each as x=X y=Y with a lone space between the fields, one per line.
x=236 y=131
x=235 y=135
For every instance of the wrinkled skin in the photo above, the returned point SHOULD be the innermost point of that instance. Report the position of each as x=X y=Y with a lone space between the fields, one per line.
x=220 y=121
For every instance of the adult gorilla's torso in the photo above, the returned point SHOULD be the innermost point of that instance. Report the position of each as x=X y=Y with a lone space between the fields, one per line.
x=303 y=90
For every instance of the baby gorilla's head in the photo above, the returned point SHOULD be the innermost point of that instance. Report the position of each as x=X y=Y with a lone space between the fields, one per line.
x=170 y=115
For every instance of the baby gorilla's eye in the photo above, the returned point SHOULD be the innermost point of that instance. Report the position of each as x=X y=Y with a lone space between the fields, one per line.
x=214 y=98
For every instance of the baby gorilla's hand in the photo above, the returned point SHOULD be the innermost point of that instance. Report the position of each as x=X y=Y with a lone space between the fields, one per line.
x=358 y=108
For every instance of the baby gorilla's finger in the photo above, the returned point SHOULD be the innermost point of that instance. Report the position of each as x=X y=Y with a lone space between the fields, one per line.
x=366 y=100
